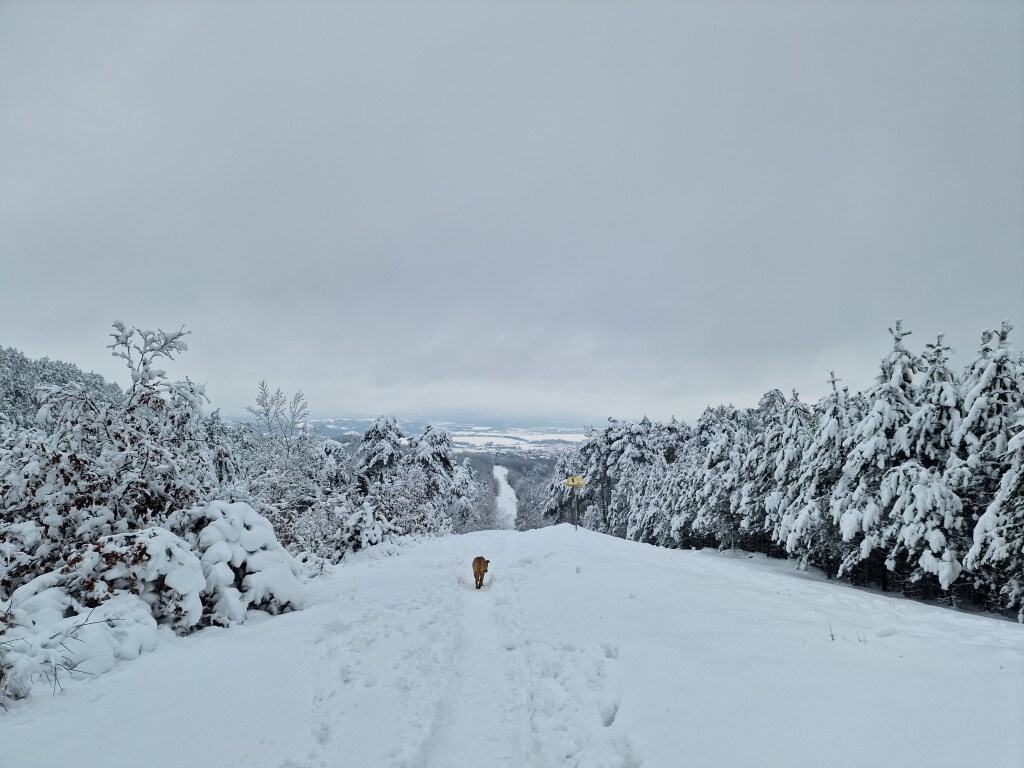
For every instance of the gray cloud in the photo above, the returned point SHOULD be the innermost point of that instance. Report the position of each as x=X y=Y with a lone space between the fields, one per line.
x=549 y=208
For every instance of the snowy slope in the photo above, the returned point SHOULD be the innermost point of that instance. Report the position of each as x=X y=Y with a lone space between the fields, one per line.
x=580 y=650
x=506 y=499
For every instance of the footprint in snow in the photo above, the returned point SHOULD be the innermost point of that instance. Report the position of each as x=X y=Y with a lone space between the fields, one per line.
x=608 y=713
x=322 y=733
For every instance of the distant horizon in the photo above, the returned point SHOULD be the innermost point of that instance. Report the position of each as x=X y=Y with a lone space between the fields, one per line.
x=114 y=372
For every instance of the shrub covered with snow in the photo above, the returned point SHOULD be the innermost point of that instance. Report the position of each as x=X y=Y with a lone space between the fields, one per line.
x=103 y=604
x=106 y=601
x=153 y=564
x=243 y=564
x=336 y=526
x=49 y=636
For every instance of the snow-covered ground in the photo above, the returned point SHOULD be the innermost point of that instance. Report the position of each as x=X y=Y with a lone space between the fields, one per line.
x=506 y=500
x=580 y=650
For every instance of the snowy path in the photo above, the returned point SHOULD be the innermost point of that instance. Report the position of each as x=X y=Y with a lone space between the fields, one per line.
x=479 y=725
x=580 y=651
x=507 y=501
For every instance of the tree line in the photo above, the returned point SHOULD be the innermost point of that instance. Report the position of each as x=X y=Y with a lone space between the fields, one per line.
x=143 y=506
x=915 y=484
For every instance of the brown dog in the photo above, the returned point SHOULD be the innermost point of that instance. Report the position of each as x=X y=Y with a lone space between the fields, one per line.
x=479 y=569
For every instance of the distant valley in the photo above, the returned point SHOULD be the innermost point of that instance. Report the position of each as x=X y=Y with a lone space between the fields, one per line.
x=539 y=438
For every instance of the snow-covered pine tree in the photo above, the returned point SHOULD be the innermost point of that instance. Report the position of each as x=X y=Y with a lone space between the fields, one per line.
x=785 y=492
x=879 y=443
x=716 y=497
x=630 y=456
x=379 y=453
x=653 y=505
x=993 y=398
x=685 y=492
x=466 y=492
x=993 y=395
x=673 y=497
x=558 y=501
x=670 y=439
x=759 y=469
x=806 y=528
x=998 y=546
x=923 y=522
x=648 y=522
x=593 y=458
x=939 y=410
x=924 y=527
x=404 y=499
x=434 y=454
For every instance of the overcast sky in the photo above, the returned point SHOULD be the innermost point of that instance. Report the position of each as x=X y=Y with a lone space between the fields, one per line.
x=554 y=208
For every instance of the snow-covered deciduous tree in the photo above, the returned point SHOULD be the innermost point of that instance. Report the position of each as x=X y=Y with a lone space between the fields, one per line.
x=281 y=455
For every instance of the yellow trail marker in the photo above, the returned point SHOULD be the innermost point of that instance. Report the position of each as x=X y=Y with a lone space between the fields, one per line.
x=574 y=482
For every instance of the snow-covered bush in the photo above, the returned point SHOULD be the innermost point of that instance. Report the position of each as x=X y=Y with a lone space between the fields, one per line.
x=362 y=528
x=103 y=604
x=338 y=525
x=153 y=564
x=242 y=563
x=49 y=636
x=90 y=468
